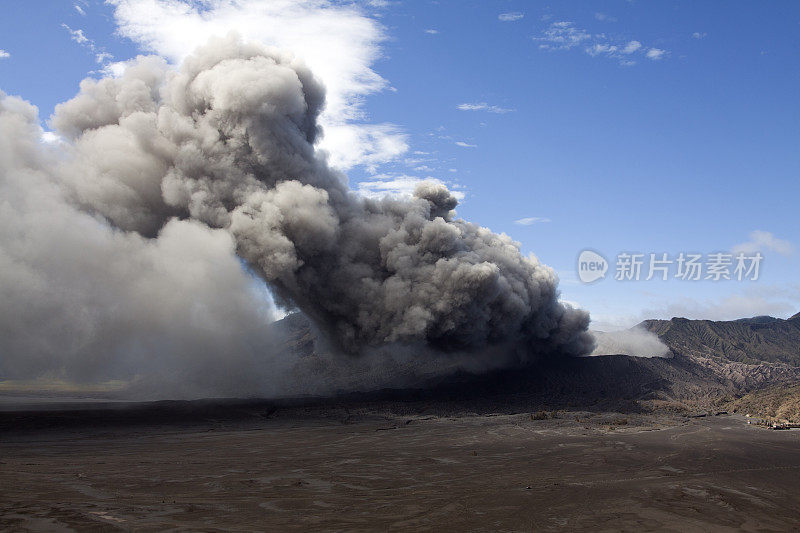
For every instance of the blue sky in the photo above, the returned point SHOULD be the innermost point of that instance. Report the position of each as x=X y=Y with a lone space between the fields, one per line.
x=620 y=126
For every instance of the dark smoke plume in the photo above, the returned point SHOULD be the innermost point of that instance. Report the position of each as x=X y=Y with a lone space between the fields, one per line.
x=229 y=141
x=225 y=145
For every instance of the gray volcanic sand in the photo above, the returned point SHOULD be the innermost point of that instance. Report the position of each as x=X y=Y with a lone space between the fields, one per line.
x=504 y=472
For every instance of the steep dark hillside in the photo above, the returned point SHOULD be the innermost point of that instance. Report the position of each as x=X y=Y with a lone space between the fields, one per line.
x=749 y=340
x=689 y=379
x=781 y=402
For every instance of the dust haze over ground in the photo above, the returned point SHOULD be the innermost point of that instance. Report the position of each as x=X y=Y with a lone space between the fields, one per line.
x=122 y=244
x=636 y=342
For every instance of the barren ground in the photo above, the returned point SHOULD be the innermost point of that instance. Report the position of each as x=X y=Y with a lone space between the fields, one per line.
x=505 y=472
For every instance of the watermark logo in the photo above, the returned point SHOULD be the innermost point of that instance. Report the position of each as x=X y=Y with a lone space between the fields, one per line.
x=685 y=266
x=591 y=266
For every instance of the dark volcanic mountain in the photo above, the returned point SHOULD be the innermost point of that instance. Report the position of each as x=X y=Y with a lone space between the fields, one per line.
x=748 y=364
x=748 y=340
x=712 y=363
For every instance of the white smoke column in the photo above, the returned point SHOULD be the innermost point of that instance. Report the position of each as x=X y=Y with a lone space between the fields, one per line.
x=636 y=342
x=229 y=140
x=174 y=315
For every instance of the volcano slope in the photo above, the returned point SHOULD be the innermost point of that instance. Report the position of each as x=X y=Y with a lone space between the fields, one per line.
x=692 y=381
x=711 y=363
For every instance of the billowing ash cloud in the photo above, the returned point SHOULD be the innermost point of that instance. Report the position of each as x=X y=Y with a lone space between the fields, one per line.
x=83 y=302
x=222 y=151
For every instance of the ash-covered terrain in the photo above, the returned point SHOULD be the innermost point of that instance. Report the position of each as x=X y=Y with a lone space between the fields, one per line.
x=585 y=443
x=578 y=472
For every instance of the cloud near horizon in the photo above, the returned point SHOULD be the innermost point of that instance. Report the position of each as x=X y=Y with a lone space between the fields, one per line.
x=780 y=301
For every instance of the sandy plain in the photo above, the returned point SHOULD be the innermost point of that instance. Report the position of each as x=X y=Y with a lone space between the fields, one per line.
x=295 y=470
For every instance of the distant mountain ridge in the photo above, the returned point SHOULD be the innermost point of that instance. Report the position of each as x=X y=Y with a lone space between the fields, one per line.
x=703 y=371
x=747 y=340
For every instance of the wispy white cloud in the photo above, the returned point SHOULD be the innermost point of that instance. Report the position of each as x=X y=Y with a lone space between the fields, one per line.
x=510 y=17
x=605 y=18
x=79 y=36
x=529 y=221
x=465 y=145
x=412 y=161
x=764 y=241
x=431 y=31
x=601 y=48
x=564 y=35
x=4 y=54
x=699 y=35
x=338 y=40
x=80 y=10
x=616 y=52
x=631 y=47
x=398 y=185
x=483 y=106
